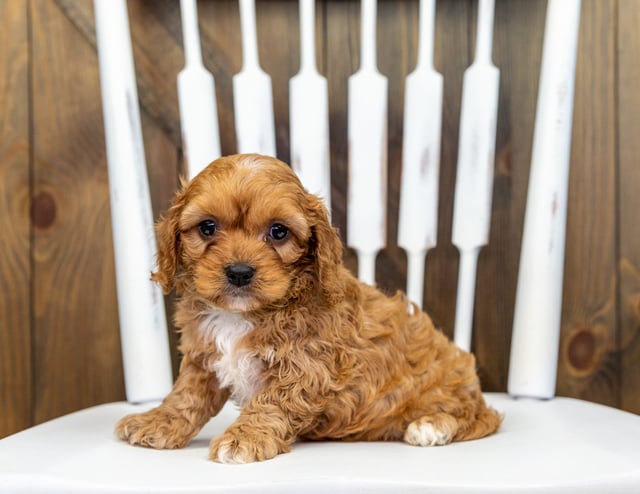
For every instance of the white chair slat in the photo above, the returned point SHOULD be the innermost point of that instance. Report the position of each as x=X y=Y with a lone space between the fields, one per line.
x=474 y=177
x=143 y=327
x=536 y=324
x=309 y=114
x=367 y=136
x=418 y=214
x=197 y=98
x=252 y=94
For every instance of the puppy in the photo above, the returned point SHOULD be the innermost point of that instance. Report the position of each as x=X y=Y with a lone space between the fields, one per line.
x=271 y=319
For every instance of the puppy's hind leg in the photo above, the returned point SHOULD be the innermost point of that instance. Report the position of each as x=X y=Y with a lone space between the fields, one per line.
x=486 y=422
x=442 y=428
x=432 y=430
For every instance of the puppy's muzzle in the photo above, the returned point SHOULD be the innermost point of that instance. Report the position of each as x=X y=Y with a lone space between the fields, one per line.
x=239 y=274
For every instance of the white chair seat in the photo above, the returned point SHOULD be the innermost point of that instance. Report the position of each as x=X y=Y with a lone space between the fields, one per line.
x=561 y=445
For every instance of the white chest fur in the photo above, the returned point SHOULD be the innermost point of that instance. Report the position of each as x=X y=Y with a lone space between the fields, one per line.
x=239 y=369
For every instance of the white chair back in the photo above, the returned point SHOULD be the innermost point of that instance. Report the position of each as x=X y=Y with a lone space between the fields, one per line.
x=539 y=442
x=533 y=363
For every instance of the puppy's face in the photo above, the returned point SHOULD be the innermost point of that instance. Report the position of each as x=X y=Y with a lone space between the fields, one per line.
x=244 y=233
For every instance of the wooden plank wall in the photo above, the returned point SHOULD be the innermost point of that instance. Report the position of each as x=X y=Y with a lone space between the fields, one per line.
x=16 y=374
x=628 y=202
x=59 y=341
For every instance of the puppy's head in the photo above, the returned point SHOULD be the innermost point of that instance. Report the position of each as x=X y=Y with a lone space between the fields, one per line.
x=245 y=235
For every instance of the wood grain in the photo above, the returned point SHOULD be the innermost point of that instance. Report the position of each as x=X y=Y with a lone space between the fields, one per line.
x=517 y=51
x=164 y=163
x=588 y=364
x=222 y=53
x=77 y=359
x=157 y=54
x=15 y=267
x=394 y=21
x=279 y=51
x=452 y=56
x=340 y=60
x=628 y=124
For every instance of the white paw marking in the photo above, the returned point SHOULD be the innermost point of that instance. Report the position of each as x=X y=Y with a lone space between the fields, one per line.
x=232 y=456
x=425 y=433
x=225 y=455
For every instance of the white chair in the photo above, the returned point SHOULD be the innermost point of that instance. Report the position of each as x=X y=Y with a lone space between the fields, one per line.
x=544 y=445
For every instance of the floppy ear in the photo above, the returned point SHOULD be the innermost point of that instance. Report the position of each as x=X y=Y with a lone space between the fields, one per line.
x=168 y=238
x=327 y=252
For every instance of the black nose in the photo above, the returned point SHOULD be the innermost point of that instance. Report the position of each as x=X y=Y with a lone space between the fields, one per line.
x=239 y=274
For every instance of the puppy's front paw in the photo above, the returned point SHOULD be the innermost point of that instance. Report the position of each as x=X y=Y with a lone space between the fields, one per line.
x=155 y=429
x=236 y=446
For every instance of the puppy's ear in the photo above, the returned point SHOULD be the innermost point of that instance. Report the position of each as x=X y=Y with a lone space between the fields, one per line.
x=327 y=252
x=168 y=237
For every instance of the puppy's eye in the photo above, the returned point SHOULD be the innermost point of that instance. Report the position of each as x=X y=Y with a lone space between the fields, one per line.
x=278 y=231
x=207 y=228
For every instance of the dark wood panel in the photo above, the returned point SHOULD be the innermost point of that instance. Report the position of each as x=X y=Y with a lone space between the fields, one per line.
x=157 y=49
x=341 y=59
x=222 y=53
x=15 y=270
x=76 y=347
x=163 y=168
x=588 y=364
x=397 y=54
x=628 y=82
x=518 y=33
x=279 y=50
x=452 y=55
x=158 y=58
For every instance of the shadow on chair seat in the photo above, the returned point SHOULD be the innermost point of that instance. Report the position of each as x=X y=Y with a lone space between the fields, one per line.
x=561 y=445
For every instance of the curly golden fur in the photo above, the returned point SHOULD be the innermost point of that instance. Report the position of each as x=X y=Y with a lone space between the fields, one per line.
x=291 y=336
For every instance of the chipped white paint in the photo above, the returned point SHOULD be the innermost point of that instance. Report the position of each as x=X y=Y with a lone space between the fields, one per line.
x=143 y=326
x=309 y=113
x=418 y=217
x=474 y=177
x=252 y=95
x=536 y=324
x=367 y=133
x=197 y=98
